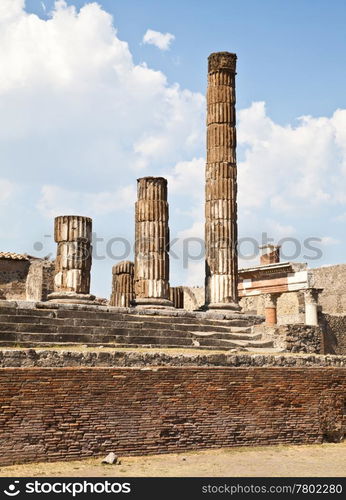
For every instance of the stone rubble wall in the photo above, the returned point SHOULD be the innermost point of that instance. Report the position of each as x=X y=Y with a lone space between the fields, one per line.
x=298 y=338
x=301 y=338
x=334 y=327
x=54 y=358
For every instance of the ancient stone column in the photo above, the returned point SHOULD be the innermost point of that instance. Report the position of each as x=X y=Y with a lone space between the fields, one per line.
x=221 y=185
x=73 y=261
x=270 y=308
x=152 y=244
x=176 y=294
x=123 y=292
x=311 y=305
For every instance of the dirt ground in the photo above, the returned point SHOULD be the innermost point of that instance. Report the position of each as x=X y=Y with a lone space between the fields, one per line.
x=271 y=461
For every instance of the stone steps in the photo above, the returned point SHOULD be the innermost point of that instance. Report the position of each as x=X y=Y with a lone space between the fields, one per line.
x=83 y=334
x=8 y=339
x=66 y=345
x=230 y=336
x=124 y=328
x=90 y=325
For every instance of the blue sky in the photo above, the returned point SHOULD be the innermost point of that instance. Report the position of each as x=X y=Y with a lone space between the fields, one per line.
x=83 y=114
x=291 y=52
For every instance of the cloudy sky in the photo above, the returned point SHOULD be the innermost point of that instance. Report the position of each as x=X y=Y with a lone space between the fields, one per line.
x=95 y=95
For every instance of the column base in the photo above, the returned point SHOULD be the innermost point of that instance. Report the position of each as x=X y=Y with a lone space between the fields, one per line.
x=153 y=303
x=71 y=298
x=221 y=306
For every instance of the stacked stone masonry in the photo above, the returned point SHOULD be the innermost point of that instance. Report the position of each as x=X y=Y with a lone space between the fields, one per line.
x=123 y=293
x=72 y=413
x=221 y=183
x=73 y=261
x=51 y=324
x=152 y=241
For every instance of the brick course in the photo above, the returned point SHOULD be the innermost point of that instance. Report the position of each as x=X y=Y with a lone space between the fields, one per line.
x=68 y=413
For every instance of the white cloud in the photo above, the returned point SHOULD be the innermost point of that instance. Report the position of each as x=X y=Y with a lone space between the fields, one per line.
x=7 y=190
x=72 y=97
x=329 y=240
x=10 y=9
x=56 y=201
x=278 y=230
x=340 y=218
x=80 y=121
x=288 y=167
x=161 y=40
x=187 y=178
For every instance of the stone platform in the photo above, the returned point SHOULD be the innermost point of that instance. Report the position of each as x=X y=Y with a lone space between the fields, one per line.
x=47 y=324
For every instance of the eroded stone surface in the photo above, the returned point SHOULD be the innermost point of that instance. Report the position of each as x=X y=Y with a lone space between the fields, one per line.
x=152 y=243
x=221 y=183
x=176 y=295
x=61 y=358
x=73 y=262
x=123 y=293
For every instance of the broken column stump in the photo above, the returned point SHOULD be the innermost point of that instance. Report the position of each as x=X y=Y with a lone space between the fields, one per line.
x=73 y=261
x=152 y=244
x=123 y=292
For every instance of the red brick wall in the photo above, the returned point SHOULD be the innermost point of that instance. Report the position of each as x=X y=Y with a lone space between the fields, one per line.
x=68 y=413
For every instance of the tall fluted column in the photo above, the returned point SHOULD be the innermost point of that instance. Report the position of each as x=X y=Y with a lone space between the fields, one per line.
x=73 y=261
x=221 y=185
x=152 y=243
x=176 y=295
x=123 y=284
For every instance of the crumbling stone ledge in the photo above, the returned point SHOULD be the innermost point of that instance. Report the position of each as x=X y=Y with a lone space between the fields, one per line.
x=25 y=358
x=181 y=313
x=294 y=338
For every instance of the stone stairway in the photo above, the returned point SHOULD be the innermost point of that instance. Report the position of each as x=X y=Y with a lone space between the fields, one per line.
x=46 y=324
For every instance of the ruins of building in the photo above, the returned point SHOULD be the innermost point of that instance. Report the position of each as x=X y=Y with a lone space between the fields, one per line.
x=24 y=277
x=70 y=403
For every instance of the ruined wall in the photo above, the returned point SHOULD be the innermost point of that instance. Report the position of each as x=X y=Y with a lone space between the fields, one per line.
x=40 y=280
x=291 y=304
x=193 y=297
x=26 y=279
x=332 y=302
x=299 y=338
x=13 y=274
x=333 y=281
x=334 y=328
x=67 y=413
